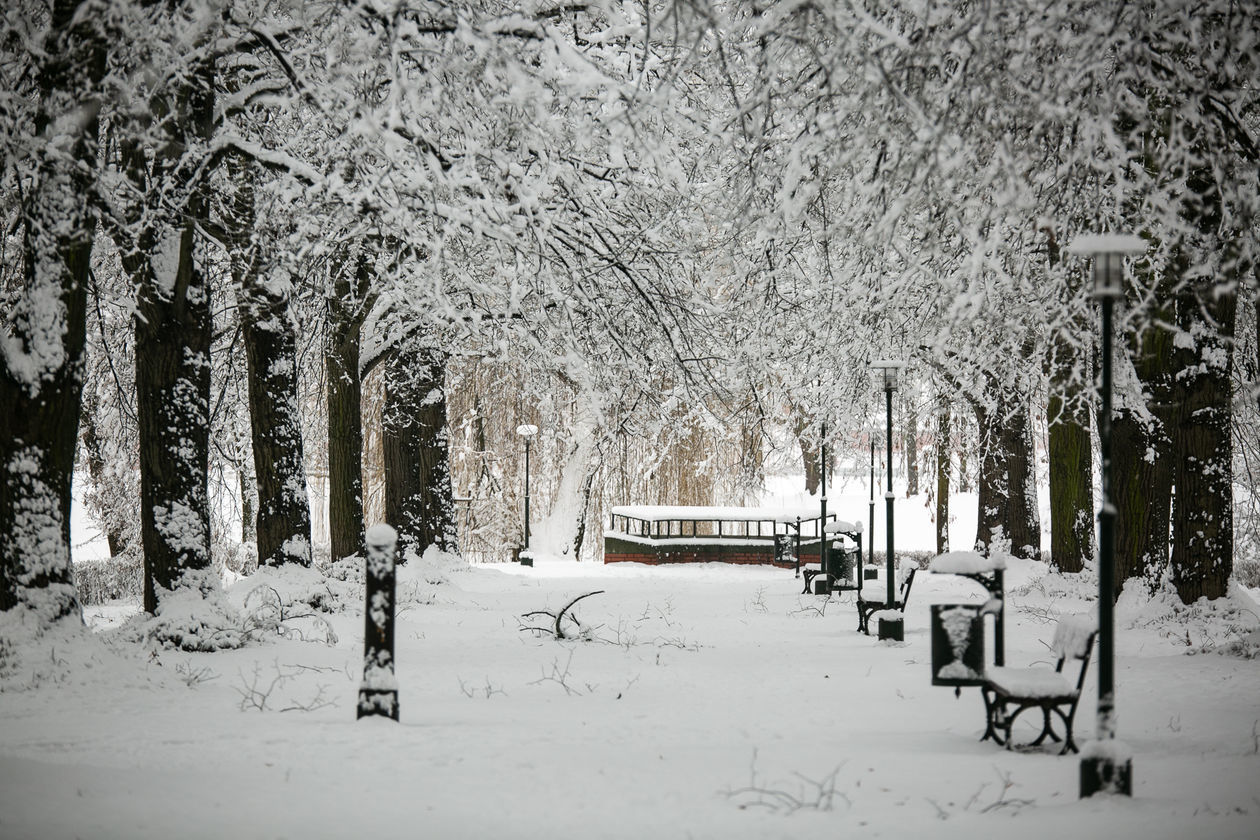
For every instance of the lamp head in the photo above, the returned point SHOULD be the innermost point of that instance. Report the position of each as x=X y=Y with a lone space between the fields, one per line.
x=1108 y=251
x=889 y=371
x=527 y=430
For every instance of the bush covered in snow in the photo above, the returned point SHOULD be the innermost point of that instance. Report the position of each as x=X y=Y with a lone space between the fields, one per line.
x=193 y=617
x=110 y=579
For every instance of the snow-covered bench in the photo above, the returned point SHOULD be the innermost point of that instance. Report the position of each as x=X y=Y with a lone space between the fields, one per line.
x=867 y=605
x=1008 y=692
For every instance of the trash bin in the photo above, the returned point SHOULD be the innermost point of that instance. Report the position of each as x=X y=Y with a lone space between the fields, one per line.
x=841 y=563
x=783 y=550
x=957 y=644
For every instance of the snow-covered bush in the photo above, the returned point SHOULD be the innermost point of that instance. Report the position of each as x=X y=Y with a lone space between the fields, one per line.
x=289 y=601
x=111 y=579
x=347 y=570
x=8 y=656
x=1247 y=559
x=238 y=558
x=192 y=617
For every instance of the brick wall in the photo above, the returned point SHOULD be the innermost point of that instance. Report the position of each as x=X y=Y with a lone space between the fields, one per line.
x=623 y=551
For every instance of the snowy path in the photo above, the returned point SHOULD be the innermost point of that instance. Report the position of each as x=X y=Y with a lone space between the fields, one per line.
x=702 y=676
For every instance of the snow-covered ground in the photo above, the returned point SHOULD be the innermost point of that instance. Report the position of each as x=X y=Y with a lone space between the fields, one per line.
x=707 y=701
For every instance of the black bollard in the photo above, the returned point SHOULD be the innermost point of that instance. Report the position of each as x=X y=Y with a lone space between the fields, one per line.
x=378 y=693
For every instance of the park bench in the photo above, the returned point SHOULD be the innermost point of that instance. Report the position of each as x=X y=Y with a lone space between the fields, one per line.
x=1008 y=692
x=872 y=603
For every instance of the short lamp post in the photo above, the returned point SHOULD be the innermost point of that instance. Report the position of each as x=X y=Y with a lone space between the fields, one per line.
x=889 y=371
x=378 y=693
x=527 y=431
x=1104 y=769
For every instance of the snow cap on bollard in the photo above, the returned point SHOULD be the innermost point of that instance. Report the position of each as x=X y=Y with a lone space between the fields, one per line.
x=381 y=536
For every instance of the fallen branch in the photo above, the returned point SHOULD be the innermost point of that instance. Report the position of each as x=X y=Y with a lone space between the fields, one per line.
x=559 y=616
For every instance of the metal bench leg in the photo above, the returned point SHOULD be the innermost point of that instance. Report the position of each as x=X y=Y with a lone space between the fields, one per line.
x=991 y=709
x=1008 y=722
x=1069 y=745
x=1046 y=729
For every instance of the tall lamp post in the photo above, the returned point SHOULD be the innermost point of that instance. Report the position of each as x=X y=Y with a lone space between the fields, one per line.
x=888 y=370
x=870 y=541
x=822 y=501
x=1104 y=769
x=527 y=431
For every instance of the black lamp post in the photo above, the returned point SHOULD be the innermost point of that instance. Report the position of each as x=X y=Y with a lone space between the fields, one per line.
x=870 y=541
x=822 y=500
x=889 y=370
x=1103 y=770
x=527 y=431
x=378 y=693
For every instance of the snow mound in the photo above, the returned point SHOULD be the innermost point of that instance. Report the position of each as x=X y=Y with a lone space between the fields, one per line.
x=435 y=567
x=1229 y=625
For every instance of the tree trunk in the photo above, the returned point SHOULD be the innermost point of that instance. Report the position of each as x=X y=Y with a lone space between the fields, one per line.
x=912 y=452
x=264 y=292
x=41 y=381
x=993 y=500
x=587 y=485
x=172 y=400
x=1069 y=449
x=418 y=495
x=249 y=494
x=1141 y=490
x=1142 y=454
x=810 y=458
x=1024 y=523
x=942 y=474
x=284 y=514
x=97 y=474
x=347 y=307
x=173 y=333
x=1203 y=507
x=1071 y=486
x=1007 y=504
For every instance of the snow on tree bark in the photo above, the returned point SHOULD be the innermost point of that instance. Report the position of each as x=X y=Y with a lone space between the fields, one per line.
x=1142 y=453
x=265 y=288
x=347 y=306
x=1203 y=507
x=41 y=344
x=1007 y=500
x=418 y=495
x=173 y=331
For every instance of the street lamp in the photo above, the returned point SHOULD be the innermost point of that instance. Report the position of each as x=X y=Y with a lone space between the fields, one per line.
x=527 y=431
x=1103 y=770
x=889 y=370
x=822 y=501
x=870 y=541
